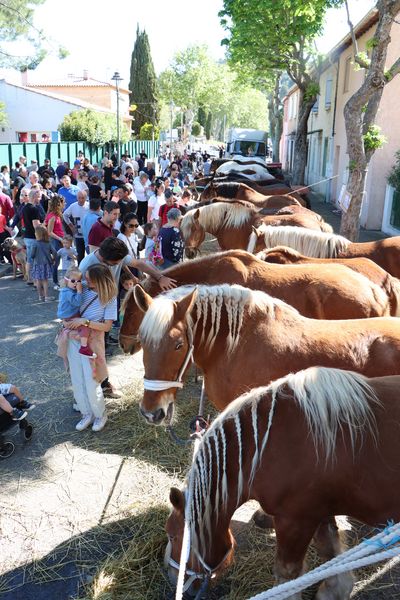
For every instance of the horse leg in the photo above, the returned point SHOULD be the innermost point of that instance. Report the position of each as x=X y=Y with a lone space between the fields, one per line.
x=262 y=520
x=293 y=537
x=328 y=545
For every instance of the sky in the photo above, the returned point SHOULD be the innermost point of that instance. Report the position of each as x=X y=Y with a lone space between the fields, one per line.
x=100 y=37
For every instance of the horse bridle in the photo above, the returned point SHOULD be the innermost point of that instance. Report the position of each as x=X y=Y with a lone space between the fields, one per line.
x=159 y=385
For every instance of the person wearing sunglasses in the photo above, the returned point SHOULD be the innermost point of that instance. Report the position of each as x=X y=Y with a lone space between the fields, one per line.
x=128 y=234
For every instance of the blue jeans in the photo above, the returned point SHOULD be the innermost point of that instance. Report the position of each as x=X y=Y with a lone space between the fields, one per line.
x=28 y=244
x=56 y=245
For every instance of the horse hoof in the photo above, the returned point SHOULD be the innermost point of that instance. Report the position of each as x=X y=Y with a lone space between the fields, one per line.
x=262 y=520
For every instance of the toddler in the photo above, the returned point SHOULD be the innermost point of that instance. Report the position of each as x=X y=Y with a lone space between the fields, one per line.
x=67 y=255
x=69 y=303
x=19 y=412
x=150 y=248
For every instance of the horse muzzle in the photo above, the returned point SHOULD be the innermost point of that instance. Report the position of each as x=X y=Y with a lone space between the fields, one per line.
x=191 y=252
x=159 y=416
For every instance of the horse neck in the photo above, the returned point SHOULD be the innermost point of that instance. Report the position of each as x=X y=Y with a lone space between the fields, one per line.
x=235 y=238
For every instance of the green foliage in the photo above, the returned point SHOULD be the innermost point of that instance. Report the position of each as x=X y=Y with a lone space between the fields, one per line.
x=394 y=175
x=371 y=43
x=196 y=128
x=16 y=27
x=202 y=116
x=143 y=83
x=364 y=58
x=373 y=139
x=312 y=91
x=3 y=114
x=90 y=126
x=148 y=130
x=352 y=165
x=207 y=129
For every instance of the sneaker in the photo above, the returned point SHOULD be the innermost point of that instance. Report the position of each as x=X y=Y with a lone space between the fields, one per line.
x=109 y=392
x=99 y=422
x=56 y=288
x=25 y=405
x=41 y=298
x=86 y=351
x=17 y=414
x=84 y=422
x=76 y=408
x=49 y=299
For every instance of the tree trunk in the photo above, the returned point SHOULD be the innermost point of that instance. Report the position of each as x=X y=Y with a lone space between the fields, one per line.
x=300 y=143
x=275 y=113
x=277 y=139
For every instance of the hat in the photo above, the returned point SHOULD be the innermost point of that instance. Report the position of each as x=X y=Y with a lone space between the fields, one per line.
x=168 y=193
x=77 y=162
x=173 y=214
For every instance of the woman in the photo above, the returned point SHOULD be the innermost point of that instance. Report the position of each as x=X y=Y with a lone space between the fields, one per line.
x=171 y=239
x=128 y=235
x=156 y=201
x=98 y=311
x=53 y=222
x=140 y=189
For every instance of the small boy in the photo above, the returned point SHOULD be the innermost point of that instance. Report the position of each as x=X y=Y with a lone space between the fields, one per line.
x=19 y=412
x=69 y=303
x=67 y=256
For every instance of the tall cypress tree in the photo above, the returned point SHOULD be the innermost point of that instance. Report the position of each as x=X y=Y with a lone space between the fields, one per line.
x=143 y=84
x=208 y=126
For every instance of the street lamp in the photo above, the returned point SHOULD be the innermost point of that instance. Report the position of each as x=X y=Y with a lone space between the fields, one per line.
x=117 y=78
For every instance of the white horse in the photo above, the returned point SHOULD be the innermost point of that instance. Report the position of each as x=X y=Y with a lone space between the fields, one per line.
x=254 y=172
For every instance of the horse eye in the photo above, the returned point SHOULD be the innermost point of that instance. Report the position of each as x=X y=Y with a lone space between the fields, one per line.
x=178 y=345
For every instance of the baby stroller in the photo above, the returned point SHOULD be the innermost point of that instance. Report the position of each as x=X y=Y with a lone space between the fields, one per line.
x=6 y=446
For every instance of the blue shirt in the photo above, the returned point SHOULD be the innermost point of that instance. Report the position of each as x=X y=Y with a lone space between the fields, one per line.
x=86 y=224
x=69 y=302
x=70 y=194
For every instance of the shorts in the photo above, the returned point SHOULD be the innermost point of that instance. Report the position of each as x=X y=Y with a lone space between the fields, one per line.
x=29 y=244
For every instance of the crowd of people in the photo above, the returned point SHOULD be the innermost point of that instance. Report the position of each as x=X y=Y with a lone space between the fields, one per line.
x=94 y=231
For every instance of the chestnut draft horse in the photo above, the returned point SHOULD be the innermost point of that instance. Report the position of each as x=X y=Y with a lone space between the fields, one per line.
x=242 y=338
x=318 y=443
x=232 y=224
x=325 y=293
x=385 y=253
x=241 y=191
x=390 y=285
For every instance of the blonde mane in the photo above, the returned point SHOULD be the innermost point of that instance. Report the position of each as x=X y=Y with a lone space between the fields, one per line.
x=218 y=215
x=330 y=399
x=209 y=305
x=317 y=244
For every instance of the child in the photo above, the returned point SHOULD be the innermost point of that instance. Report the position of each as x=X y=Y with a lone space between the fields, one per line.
x=69 y=303
x=6 y=389
x=67 y=255
x=42 y=262
x=152 y=250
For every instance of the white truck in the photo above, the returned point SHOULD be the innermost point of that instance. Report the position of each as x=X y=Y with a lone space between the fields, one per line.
x=247 y=142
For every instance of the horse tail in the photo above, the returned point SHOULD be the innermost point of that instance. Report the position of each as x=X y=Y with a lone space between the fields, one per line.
x=394 y=296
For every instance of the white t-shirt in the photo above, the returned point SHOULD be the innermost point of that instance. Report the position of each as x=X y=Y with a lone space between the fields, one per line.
x=75 y=213
x=164 y=163
x=131 y=243
x=140 y=190
x=81 y=185
x=155 y=202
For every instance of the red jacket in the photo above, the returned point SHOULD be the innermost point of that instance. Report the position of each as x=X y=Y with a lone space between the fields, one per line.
x=7 y=207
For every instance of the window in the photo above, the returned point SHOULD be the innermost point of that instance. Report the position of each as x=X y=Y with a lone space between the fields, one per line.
x=347 y=74
x=328 y=94
x=315 y=106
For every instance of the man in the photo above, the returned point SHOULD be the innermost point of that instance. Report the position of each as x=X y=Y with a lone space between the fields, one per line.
x=127 y=200
x=164 y=164
x=33 y=166
x=95 y=172
x=33 y=179
x=19 y=183
x=60 y=170
x=7 y=208
x=114 y=253
x=170 y=202
x=104 y=227
x=68 y=191
x=46 y=168
x=73 y=217
x=94 y=214
x=32 y=218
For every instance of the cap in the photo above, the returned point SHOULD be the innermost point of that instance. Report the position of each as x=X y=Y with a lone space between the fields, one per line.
x=77 y=162
x=173 y=214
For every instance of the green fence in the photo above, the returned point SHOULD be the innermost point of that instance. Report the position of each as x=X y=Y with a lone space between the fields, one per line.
x=68 y=151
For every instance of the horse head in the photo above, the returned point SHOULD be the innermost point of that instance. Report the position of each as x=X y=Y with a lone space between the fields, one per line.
x=200 y=568
x=166 y=340
x=192 y=232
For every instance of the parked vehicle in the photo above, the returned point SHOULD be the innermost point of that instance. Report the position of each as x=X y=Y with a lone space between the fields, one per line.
x=247 y=142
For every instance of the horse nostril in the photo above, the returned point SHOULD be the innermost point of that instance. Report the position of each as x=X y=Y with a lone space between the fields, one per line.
x=158 y=415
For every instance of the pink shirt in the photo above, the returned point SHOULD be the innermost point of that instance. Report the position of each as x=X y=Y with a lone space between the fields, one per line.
x=58 y=228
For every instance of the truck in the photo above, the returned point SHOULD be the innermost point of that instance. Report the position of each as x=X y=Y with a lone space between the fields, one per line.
x=247 y=142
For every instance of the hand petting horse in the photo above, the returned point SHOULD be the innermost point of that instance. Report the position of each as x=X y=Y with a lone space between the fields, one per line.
x=242 y=338
x=318 y=443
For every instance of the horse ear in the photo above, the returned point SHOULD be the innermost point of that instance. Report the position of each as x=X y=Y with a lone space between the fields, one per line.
x=184 y=305
x=196 y=214
x=142 y=299
x=177 y=499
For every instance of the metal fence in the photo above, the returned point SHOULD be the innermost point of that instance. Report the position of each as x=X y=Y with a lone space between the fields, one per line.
x=68 y=151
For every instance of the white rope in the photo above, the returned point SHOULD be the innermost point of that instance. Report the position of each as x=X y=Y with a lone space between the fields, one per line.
x=384 y=545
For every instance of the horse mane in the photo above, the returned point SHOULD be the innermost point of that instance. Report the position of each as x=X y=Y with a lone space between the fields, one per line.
x=330 y=399
x=282 y=249
x=227 y=190
x=235 y=299
x=317 y=244
x=216 y=215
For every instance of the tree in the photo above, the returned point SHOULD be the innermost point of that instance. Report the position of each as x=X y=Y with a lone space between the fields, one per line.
x=16 y=26
x=207 y=130
x=265 y=36
x=202 y=116
x=149 y=132
x=93 y=127
x=143 y=83
x=363 y=137
x=196 y=129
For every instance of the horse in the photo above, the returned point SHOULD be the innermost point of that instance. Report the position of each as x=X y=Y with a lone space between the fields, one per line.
x=385 y=253
x=233 y=223
x=253 y=171
x=242 y=191
x=390 y=285
x=313 y=444
x=243 y=338
x=260 y=185
x=326 y=293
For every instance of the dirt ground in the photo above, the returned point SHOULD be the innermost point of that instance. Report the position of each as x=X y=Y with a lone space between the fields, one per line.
x=69 y=500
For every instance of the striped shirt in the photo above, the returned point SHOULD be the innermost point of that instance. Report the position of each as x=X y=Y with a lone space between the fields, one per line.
x=97 y=311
